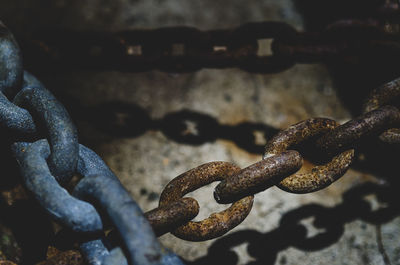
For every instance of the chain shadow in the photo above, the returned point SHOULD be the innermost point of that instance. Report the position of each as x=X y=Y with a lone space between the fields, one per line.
x=263 y=248
x=121 y=119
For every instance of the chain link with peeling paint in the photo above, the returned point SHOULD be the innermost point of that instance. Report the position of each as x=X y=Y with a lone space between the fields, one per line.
x=47 y=149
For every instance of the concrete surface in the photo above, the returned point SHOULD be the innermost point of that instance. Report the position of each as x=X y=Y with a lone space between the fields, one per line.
x=146 y=162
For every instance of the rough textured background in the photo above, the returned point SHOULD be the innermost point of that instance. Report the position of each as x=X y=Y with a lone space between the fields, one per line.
x=147 y=161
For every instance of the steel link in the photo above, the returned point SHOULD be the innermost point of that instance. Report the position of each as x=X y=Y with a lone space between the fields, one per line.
x=18 y=121
x=60 y=130
x=107 y=192
x=101 y=186
x=94 y=251
x=58 y=125
x=12 y=118
x=10 y=63
x=218 y=223
x=61 y=206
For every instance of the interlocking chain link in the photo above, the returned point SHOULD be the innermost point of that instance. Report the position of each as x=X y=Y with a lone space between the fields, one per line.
x=386 y=94
x=263 y=47
x=48 y=152
x=47 y=163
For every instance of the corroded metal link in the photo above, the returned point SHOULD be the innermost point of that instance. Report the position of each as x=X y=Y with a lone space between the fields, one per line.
x=218 y=223
x=320 y=176
x=163 y=219
x=297 y=133
x=352 y=132
x=258 y=177
x=172 y=49
x=385 y=94
x=186 y=49
x=391 y=136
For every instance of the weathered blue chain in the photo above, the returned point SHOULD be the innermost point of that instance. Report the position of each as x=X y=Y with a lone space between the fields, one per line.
x=35 y=113
x=48 y=163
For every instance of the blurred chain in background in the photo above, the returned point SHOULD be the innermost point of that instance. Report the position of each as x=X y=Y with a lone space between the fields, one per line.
x=260 y=47
x=33 y=113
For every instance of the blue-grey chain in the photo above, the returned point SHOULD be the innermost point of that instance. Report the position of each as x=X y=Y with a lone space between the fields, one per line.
x=49 y=154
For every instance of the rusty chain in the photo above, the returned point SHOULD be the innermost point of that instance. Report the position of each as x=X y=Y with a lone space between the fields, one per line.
x=262 y=47
x=281 y=164
x=279 y=168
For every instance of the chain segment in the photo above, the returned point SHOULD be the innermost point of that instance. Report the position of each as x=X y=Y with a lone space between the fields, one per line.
x=65 y=158
x=320 y=176
x=217 y=224
x=263 y=47
x=45 y=165
x=388 y=93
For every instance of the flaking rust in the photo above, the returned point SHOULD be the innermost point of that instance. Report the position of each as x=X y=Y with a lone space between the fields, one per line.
x=354 y=131
x=320 y=176
x=258 y=177
x=166 y=218
x=216 y=224
x=385 y=94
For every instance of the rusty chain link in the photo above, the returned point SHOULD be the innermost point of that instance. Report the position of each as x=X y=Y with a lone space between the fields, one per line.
x=264 y=47
x=278 y=165
x=385 y=94
x=179 y=49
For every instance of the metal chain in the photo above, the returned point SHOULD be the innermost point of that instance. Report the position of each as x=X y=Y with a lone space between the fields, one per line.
x=263 y=47
x=47 y=164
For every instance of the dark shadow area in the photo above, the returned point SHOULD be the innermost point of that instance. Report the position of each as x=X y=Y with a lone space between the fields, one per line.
x=319 y=13
x=120 y=119
x=31 y=229
x=362 y=67
x=29 y=224
x=264 y=247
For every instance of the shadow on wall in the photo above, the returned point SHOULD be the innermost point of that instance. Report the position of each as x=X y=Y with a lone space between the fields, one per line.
x=264 y=247
x=121 y=119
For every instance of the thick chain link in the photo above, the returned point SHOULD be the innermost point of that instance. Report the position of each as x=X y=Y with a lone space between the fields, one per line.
x=47 y=164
